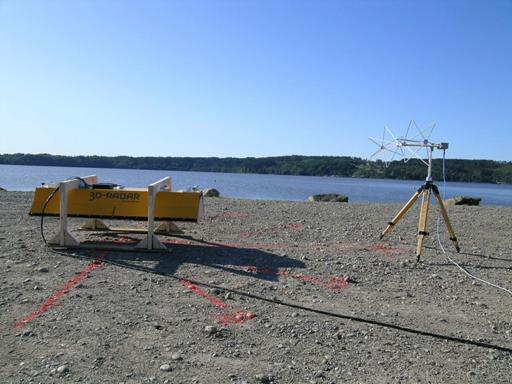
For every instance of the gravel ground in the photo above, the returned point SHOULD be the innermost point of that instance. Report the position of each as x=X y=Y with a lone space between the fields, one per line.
x=293 y=293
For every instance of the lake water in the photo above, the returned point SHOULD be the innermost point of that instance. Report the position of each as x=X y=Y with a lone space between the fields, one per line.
x=255 y=186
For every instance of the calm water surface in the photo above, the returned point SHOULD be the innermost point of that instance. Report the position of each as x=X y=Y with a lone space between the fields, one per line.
x=255 y=186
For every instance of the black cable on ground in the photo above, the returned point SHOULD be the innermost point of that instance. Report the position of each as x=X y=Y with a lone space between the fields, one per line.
x=300 y=307
x=86 y=185
x=43 y=210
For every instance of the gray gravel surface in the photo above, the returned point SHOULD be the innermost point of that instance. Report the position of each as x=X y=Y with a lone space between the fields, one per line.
x=265 y=264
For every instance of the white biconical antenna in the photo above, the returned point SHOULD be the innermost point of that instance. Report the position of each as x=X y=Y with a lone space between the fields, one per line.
x=407 y=147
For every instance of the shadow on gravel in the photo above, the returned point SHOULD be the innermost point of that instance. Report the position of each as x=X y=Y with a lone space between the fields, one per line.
x=221 y=257
x=233 y=259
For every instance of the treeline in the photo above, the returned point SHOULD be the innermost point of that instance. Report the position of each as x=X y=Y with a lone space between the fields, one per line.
x=488 y=171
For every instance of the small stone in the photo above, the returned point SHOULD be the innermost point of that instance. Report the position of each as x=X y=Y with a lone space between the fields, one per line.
x=166 y=368
x=228 y=296
x=43 y=269
x=211 y=329
x=319 y=374
x=263 y=378
x=62 y=369
x=156 y=325
x=176 y=356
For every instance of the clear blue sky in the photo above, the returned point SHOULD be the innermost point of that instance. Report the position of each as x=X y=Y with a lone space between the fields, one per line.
x=253 y=78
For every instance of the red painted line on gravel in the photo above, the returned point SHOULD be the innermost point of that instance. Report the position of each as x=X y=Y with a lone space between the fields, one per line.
x=335 y=283
x=194 y=288
x=225 y=317
x=294 y=227
x=234 y=317
x=385 y=249
x=120 y=240
x=53 y=300
x=350 y=247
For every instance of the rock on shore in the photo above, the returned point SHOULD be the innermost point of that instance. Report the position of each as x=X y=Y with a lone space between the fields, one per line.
x=329 y=197
x=211 y=192
x=464 y=200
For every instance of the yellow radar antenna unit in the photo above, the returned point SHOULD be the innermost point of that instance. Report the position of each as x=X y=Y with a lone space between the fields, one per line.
x=394 y=147
x=85 y=197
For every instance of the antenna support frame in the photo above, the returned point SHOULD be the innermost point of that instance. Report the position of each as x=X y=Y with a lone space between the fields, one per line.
x=398 y=146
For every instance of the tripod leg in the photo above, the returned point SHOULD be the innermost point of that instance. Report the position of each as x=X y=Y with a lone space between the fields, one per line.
x=401 y=213
x=422 y=225
x=447 y=220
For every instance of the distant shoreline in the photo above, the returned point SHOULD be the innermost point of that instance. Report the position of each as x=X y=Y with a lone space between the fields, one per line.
x=254 y=173
x=479 y=171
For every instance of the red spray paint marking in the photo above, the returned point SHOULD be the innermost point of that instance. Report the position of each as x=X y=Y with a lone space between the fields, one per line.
x=338 y=283
x=385 y=249
x=212 y=244
x=124 y=240
x=295 y=227
x=119 y=240
x=237 y=317
x=380 y=248
x=53 y=300
x=335 y=283
x=226 y=317
x=194 y=288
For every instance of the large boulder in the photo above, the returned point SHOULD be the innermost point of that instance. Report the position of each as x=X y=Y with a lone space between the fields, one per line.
x=464 y=200
x=1 y=189
x=332 y=197
x=211 y=192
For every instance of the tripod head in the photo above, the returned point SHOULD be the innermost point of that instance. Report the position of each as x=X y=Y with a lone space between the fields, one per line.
x=407 y=147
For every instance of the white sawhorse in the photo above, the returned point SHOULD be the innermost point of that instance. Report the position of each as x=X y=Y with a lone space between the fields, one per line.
x=151 y=241
x=65 y=239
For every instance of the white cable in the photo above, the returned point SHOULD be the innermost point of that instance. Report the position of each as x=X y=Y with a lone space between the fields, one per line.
x=446 y=253
x=462 y=268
